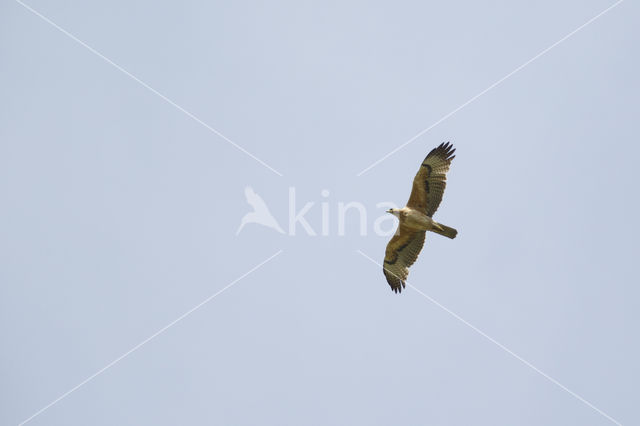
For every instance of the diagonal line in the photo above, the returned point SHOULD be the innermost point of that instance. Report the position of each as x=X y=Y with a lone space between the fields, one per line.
x=147 y=340
x=443 y=118
x=142 y=83
x=503 y=347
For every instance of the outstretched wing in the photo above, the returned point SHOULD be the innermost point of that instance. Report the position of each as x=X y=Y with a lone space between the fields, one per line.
x=429 y=183
x=402 y=252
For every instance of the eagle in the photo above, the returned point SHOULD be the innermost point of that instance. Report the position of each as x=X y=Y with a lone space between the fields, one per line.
x=416 y=217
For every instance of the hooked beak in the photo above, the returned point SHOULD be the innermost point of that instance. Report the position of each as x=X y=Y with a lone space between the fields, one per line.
x=389 y=211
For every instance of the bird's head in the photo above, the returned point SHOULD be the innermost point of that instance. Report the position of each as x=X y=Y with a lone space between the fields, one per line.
x=394 y=212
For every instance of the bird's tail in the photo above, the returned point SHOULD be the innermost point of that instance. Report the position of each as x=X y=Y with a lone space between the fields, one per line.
x=445 y=230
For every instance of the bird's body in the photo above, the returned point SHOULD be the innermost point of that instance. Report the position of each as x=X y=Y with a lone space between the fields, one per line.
x=416 y=218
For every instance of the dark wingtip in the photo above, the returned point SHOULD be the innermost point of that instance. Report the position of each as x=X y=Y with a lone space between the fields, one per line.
x=399 y=288
x=444 y=150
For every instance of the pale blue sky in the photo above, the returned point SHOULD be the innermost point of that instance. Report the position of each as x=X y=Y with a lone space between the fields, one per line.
x=119 y=213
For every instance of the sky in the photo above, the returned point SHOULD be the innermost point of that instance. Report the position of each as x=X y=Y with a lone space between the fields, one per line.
x=130 y=130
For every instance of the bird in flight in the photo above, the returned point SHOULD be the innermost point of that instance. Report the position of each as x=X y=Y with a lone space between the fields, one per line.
x=416 y=217
x=260 y=214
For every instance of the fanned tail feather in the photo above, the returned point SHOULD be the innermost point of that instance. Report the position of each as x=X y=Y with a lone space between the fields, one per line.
x=445 y=230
